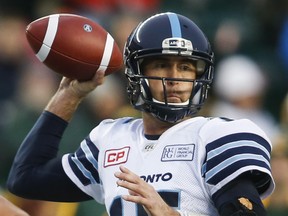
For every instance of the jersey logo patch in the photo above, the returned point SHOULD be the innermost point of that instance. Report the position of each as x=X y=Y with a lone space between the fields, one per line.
x=178 y=153
x=116 y=156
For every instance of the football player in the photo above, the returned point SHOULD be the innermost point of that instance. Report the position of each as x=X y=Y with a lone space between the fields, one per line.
x=168 y=162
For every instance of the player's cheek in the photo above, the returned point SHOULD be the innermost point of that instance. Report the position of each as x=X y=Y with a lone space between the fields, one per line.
x=156 y=89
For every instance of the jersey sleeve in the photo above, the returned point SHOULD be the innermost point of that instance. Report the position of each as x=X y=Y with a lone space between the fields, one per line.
x=234 y=148
x=82 y=168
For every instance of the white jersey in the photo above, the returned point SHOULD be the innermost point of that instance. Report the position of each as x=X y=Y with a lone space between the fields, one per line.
x=188 y=163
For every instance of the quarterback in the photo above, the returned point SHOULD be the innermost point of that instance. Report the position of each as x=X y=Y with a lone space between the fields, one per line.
x=168 y=162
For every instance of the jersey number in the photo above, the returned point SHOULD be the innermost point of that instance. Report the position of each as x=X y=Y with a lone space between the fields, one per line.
x=171 y=198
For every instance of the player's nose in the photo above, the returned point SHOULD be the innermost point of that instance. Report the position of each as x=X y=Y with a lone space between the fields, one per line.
x=173 y=73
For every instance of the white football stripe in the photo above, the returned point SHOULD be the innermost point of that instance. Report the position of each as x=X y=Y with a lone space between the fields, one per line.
x=49 y=37
x=107 y=53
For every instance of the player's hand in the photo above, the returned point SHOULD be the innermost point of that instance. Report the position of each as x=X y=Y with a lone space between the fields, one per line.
x=70 y=93
x=141 y=192
x=81 y=89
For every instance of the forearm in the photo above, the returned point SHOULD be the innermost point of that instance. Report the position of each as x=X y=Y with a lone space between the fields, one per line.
x=63 y=104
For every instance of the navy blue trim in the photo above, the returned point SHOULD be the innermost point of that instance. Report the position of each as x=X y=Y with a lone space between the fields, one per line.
x=222 y=174
x=82 y=178
x=92 y=148
x=152 y=137
x=238 y=137
x=211 y=163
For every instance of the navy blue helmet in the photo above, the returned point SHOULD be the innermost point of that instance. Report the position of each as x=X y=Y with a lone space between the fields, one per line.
x=167 y=34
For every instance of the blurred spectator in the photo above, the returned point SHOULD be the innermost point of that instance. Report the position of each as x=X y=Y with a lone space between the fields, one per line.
x=122 y=26
x=240 y=87
x=12 y=38
x=228 y=38
x=113 y=96
x=114 y=99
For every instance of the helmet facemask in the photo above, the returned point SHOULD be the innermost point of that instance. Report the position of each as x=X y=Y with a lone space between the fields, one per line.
x=142 y=99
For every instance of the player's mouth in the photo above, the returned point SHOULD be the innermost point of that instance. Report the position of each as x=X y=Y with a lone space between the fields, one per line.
x=173 y=98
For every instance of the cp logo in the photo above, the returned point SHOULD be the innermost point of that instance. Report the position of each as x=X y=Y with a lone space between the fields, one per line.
x=116 y=156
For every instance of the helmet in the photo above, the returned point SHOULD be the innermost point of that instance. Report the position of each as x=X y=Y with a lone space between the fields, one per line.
x=167 y=34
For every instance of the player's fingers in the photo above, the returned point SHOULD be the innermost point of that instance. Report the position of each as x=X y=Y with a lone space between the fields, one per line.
x=65 y=82
x=126 y=170
x=127 y=175
x=132 y=193
x=136 y=199
x=128 y=185
x=146 y=203
x=136 y=187
x=98 y=78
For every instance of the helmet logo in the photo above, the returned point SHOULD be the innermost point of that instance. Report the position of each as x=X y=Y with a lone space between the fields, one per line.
x=174 y=45
x=177 y=43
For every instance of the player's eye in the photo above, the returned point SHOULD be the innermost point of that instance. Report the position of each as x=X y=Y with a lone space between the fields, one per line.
x=160 y=65
x=187 y=67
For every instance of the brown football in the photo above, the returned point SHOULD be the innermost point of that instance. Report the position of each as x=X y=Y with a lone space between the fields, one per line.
x=74 y=46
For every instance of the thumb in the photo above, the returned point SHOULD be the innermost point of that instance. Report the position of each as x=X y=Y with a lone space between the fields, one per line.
x=98 y=78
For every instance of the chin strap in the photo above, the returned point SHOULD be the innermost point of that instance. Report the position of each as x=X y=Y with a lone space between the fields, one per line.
x=175 y=104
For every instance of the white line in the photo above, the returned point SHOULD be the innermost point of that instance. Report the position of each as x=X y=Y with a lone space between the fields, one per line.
x=107 y=53
x=49 y=37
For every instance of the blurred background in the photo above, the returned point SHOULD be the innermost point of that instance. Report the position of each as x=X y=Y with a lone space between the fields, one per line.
x=250 y=41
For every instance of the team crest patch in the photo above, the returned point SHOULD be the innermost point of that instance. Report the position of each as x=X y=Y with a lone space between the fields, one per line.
x=178 y=152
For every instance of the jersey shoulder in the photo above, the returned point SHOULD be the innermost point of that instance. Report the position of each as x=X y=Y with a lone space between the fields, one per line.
x=235 y=147
x=220 y=127
x=115 y=126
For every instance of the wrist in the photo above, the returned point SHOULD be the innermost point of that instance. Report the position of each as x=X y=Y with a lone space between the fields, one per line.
x=64 y=104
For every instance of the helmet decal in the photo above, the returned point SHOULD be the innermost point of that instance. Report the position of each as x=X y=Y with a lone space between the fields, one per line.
x=175 y=25
x=171 y=45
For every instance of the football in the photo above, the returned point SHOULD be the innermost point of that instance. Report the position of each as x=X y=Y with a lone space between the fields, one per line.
x=74 y=46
